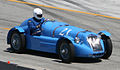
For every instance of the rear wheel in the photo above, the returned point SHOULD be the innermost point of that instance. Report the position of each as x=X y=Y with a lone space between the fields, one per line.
x=66 y=51
x=108 y=47
x=17 y=41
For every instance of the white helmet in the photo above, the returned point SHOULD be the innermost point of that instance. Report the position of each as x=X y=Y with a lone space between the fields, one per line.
x=37 y=13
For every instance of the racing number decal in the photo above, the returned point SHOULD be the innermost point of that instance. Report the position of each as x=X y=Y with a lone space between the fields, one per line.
x=68 y=31
x=62 y=32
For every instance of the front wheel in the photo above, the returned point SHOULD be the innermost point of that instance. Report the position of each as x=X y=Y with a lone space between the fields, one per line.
x=17 y=41
x=66 y=51
x=108 y=47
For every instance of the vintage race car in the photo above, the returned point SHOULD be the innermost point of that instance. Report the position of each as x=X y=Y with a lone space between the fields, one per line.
x=63 y=39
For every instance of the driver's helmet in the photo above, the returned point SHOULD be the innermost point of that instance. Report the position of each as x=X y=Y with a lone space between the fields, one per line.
x=37 y=13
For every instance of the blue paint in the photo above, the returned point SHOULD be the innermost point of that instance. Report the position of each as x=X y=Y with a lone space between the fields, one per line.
x=47 y=42
x=105 y=32
x=20 y=29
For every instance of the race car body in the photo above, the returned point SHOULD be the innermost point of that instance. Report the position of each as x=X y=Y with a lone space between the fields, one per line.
x=63 y=39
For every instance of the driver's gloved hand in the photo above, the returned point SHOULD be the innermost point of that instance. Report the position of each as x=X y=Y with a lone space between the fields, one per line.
x=37 y=26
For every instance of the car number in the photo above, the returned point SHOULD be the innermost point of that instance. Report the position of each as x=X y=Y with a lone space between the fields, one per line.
x=63 y=31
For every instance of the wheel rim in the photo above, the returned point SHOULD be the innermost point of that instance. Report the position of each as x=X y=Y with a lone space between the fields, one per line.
x=15 y=41
x=64 y=51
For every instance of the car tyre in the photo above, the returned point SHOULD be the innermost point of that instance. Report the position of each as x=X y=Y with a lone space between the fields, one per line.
x=107 y=46
x=66 y=51
x=17 y=41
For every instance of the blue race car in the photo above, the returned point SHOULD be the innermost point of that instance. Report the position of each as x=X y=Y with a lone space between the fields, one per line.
x=63 y=39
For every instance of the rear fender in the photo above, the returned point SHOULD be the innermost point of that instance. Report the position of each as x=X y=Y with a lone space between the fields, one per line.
x=16 y=28
x=20 y=29
x=104 y=33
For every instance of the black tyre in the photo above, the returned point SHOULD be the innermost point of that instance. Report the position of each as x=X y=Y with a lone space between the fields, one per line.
x=66 y=51
x=17 y=41
x=108 y=47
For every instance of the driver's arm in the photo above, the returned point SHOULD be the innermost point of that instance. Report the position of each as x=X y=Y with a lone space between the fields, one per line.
x=32 y=26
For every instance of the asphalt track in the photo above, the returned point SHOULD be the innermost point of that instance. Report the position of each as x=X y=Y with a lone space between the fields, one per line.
x=12 y=14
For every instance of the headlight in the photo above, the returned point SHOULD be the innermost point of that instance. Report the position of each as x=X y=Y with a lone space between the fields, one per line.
x=77 y=40
x=94 y=42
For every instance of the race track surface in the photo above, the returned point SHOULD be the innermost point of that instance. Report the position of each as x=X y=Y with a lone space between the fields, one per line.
x=12 y=14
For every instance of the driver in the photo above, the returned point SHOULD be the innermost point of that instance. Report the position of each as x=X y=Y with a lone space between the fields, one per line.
x=35 y=22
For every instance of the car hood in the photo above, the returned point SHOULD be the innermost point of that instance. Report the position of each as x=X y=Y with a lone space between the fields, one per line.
x=59 y=29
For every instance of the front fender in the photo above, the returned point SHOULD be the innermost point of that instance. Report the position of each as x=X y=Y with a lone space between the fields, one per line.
x=68 y=38
x=19 y=29
x=104 y=33
x=71 y=39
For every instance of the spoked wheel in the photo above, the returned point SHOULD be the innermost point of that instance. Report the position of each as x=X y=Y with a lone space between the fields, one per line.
x=66 y=51
x=108 y=47
x=17 y=41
